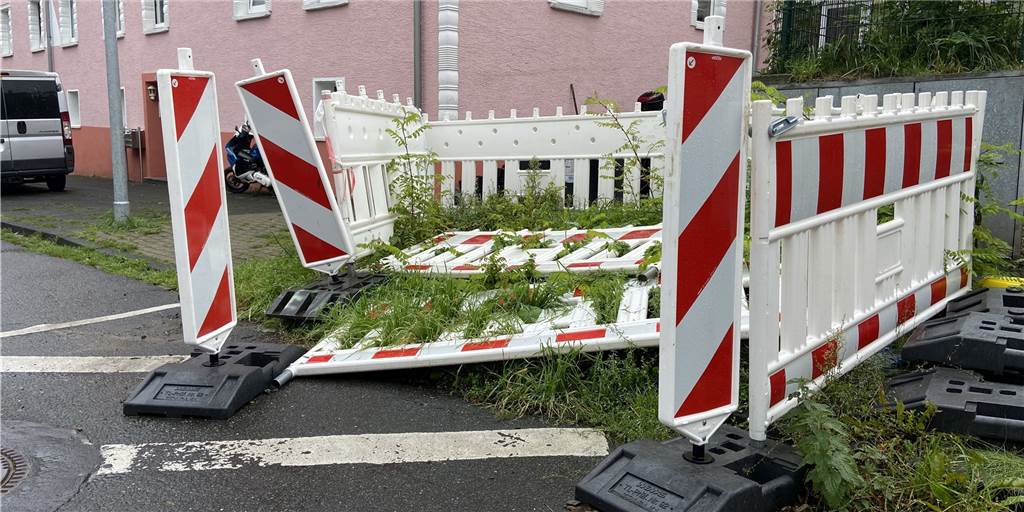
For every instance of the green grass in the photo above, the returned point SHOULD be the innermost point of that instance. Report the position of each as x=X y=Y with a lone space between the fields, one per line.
x=129 y=267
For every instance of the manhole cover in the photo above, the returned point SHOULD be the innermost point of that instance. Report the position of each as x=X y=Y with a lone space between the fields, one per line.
x=13 y=468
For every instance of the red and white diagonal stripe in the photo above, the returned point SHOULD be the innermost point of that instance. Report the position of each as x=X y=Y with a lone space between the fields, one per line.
x=862 y=338
x=300 y=181
x=202 y=247
x=702 y=245
x=825 y=172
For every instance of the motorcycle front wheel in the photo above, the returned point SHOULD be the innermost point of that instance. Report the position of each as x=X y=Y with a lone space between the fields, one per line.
x=232 y=182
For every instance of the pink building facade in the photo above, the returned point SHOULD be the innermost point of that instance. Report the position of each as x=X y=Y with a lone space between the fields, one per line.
x=474 y=55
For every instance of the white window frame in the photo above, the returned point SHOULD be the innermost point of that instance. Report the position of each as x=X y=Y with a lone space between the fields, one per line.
x=312 y=5
x=588 y=7
x=717 y=7
x=67 y=22
x=245 y=10
x=124 y=109
x=119 y=14
x=149 y=24
x=36 y=25
x=6 y=31
x=322 y=83
x=74 y=108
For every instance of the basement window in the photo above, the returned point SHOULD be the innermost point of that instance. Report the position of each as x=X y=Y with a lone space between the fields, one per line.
x=311 y=5
x=588 y=7
x=319 y=86
x=251 y=9
x=74 y=108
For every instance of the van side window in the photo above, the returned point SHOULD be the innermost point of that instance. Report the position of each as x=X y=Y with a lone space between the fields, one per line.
x=31 y=99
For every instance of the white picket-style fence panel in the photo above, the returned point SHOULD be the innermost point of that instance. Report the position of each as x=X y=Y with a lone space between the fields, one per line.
x=830 y=286
x=481 y=157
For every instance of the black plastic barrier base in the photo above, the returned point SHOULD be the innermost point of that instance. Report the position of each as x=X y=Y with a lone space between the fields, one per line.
x=203 y=388
x=987 y=342
x=966 y=403
x=648 y=476
x=308 y=302
x=1005 y=301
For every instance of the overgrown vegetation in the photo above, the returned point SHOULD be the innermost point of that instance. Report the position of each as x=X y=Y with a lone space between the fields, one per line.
x=871 y=455
x=894 y=38
x=990 y=255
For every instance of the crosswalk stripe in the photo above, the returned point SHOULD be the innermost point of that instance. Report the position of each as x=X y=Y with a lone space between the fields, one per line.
x=77 y=323
x=85 y=364
x=353 y=449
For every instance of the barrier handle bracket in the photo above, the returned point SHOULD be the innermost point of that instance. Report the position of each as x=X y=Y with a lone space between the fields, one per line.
x=782 y=125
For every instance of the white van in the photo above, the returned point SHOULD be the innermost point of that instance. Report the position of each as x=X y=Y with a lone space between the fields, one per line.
x=35 y=129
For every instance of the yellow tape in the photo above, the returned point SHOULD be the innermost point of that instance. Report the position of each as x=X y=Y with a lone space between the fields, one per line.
x=1002 y=282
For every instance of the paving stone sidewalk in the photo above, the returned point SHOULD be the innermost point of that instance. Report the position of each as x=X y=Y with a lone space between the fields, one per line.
x=82 y=214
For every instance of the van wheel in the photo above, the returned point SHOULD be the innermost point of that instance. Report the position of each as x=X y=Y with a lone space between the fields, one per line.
x=56 y=183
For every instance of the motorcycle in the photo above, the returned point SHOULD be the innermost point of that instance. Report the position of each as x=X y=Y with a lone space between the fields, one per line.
x=245 y=162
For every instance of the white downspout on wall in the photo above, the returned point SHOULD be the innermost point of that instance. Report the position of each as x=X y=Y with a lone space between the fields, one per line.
x=448 y=59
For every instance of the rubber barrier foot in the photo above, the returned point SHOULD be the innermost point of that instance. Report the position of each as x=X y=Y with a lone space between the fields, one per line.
x=646 y=475
x=1005 y=301
x=208 y=387
x=966 y=403
x=987 y=342
x=310 y=301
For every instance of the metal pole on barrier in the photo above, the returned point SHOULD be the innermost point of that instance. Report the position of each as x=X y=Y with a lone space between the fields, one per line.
x=116 y=118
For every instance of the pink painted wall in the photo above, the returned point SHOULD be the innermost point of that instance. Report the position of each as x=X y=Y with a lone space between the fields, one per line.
x=512 y=53
x=516 y=54
x=368 y=41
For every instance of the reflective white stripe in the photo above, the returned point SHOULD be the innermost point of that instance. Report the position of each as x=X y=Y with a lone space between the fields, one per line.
x=353 y=449
x=701 y=176
x=277 y=127
x=853 y=167
x=87 y=321
x=209 y=269
x=929 y=139
x=312 y=217
x=804 y=195
x=84 y=364
x=199 y=139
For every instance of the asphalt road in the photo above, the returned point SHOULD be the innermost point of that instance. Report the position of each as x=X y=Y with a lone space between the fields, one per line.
x=43 y=290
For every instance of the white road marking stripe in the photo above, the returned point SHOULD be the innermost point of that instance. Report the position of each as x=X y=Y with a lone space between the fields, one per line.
x=85 y=364
x=87 y=321
x=353 y=449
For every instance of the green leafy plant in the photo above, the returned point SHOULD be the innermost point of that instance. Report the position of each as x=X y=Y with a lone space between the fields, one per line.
x=990 y=255
x=418 y=209
x=634 y=145
x=894 y=38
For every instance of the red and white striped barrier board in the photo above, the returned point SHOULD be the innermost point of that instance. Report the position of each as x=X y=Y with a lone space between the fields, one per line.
x=821 y=173
x=574 y=329
x=199 y=216
x=709 y=90
x=302 y=186
x=465 y=253
x=832 y=282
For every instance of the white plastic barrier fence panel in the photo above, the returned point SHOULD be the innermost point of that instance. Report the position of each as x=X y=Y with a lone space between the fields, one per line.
x=708 y=94
x=574 y=328
x=465 y=253
x=832 y=281
x=480 y=157
x=360 y=148
x=297 y=173
x=199 y=216
x=497 y=150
